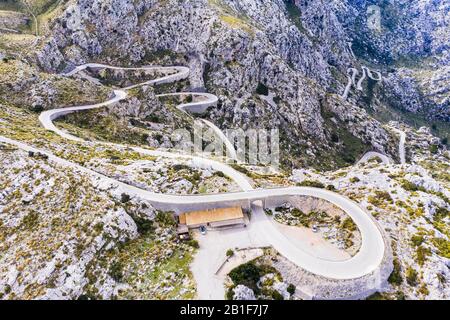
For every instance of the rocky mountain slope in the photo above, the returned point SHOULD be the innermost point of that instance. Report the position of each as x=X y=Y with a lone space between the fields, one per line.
x=412 y=43
x=273 y=64
x=277 y=64
x=239 y=51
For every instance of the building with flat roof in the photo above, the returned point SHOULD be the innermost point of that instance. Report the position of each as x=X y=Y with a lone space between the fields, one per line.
x=214 y=218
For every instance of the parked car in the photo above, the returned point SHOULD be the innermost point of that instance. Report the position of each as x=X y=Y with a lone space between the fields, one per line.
x=315 y=229
x=203 y=230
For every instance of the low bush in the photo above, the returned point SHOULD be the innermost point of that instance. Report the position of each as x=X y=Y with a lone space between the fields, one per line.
x=411 y=276
x=396 y=276
x=276 y=295
x=124 y=198
x=165 y=218
x=144 y=226
x=422 y=254
x=349 y=225
x=116 y=271
x=354 y=179
x=247 y=274
x=417 y=239
x=291 y=289
x=262 y=89
x=443 y=247
x=193 y=243
x=313 y=184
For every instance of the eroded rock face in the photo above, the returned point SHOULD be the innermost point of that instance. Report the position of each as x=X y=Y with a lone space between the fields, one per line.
x=413 y=42
x=242 y=292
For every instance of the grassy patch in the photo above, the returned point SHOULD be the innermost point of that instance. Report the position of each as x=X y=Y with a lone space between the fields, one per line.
x=237 y=23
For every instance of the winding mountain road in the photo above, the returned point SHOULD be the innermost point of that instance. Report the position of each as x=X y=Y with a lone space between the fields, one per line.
x=351 y=81
x=366 y=72
x=367 y=260
x=201 y=101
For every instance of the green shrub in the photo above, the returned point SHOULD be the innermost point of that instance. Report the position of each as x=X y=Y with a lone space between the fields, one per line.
x=409 y=186
x=179 y=167
x=276 y=295
x=193 y=243
x=144 y=226
x=313 y=184
x=230 y=293
x=443 y=247
x=165 y=218
x=421 y=254
x=400 y=295
x=424 y=290
x=262 y=89
x=297 y=212
x=98 y=227
x=291 y=289
x=417 y=239
x=30 y=220
x=384 y=195
x=124 y=198
x=219 y=174
x=240 y=169
x=349 y=225
x=411 y=276
x=37 y=108
x=377 y=296
x=230 y=252
x=247 y=274
x=354 y=179
x=379 y=198
x=116 y=271
x=434 y=149
x=395 y=277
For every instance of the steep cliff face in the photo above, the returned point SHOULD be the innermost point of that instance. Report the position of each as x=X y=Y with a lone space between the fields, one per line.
x=406 y=28
x=411 y=40
x=273 y=64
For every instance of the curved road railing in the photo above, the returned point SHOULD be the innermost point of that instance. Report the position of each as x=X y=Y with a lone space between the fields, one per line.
x=368 y=258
